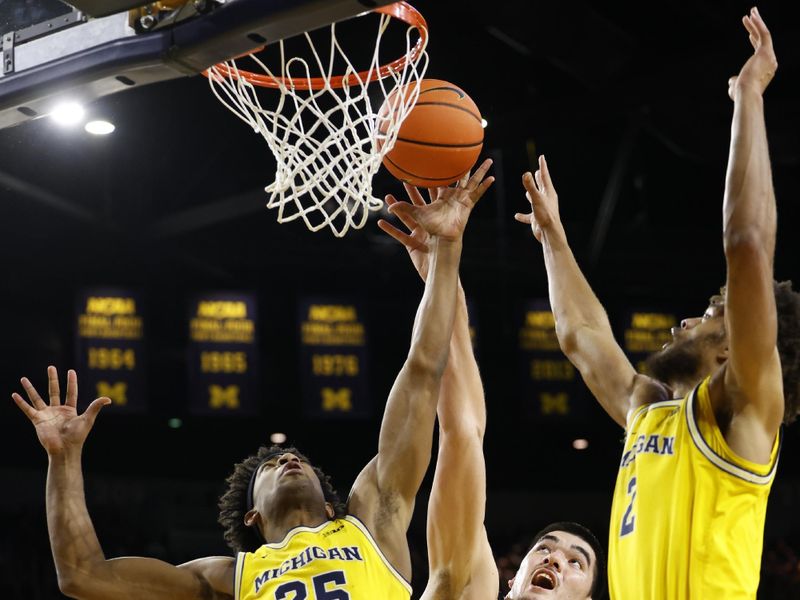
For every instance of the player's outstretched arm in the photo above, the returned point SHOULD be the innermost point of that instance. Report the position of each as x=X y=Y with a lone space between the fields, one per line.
x=384 y=493
x=582 y=326
x=459 y=554
x=753 y=375
x=83 y=571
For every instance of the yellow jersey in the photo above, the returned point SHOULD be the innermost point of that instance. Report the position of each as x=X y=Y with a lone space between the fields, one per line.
x=687 y=522
x=337 y=560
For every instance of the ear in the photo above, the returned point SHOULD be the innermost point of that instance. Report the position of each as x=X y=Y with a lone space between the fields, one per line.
x=329 y=510
x=252 y=517
x=722 y=355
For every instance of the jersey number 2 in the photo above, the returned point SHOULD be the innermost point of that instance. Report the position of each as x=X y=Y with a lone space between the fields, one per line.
x=629 y=519
x=321 y=591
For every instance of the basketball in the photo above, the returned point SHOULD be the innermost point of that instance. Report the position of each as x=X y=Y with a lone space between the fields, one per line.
x=440 y=139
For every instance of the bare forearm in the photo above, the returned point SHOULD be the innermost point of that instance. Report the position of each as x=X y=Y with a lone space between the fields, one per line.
x=73 y=540
x=749 y=207
x=433 y=329
x=461 y=403
x=572 y=300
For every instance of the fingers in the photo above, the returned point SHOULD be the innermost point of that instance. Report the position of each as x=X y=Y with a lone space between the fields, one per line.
x=545 y=171
x=527 y=219
x=72 y=389
x=765 y=37
x=393 y=231
x=52 y=386
x=480 y=173
x=29 y=411
x=414 y=195
x=94 y=409
x=406 y=219
x=403 y=210
x=529 y=183
x=485 y=185
x=32 y=394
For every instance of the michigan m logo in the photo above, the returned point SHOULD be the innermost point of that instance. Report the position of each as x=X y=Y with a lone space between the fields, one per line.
x=554 y=403
x=340 y=399
x=223 y=397
x=118 y=391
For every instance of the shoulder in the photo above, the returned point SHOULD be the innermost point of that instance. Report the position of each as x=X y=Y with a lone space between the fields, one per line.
x=646 y=391
x=215 y=575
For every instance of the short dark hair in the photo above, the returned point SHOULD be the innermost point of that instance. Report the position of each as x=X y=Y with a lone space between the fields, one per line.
x=233 y=505
x=599 y=582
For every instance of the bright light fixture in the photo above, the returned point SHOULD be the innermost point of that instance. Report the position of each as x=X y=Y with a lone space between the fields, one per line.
x=175 y=423
x=99 y=127
x=580 y=444
x=484 y=123
x=277 y=438
x=68 y=113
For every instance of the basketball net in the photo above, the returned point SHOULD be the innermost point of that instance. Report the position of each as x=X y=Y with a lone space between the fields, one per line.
x=321 y=127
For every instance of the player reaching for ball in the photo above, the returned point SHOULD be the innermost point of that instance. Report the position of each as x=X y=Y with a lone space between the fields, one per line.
x=565 y=561
x=703 y=432
x=282 y=517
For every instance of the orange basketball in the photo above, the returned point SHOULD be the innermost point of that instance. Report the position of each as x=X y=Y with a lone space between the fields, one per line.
x=440 y=139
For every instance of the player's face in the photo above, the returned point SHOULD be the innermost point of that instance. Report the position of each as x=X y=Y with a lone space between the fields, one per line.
x=285 y=474
x=560 y=566
x=696 y=349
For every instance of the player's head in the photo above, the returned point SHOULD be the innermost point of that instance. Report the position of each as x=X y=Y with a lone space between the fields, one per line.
x=272 y=481
x=565 y=562
x=701 y=344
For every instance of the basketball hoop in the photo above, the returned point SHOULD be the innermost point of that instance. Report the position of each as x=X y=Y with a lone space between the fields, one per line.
x=327 y=155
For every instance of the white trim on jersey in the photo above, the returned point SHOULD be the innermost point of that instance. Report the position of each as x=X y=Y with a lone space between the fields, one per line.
x=716 y=459
x=648 y=407
x=363 y=528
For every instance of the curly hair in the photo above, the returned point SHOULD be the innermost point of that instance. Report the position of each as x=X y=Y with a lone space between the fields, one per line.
x=787 y=306
x=233 y=504
x=787 y=302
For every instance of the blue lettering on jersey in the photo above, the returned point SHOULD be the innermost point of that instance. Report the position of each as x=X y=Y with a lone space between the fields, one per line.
x=305 y=557
x=652 y=444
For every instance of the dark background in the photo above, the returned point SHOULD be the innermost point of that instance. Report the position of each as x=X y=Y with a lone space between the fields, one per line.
x=628 y=101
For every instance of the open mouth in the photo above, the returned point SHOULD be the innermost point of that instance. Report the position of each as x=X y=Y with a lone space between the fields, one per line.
x=545 y=579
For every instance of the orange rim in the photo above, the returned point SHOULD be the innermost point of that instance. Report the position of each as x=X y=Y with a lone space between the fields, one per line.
x=402 y=11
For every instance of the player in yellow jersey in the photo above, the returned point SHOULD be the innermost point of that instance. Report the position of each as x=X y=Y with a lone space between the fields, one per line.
x=703 y=432
x=293 y=541
x=565 y=560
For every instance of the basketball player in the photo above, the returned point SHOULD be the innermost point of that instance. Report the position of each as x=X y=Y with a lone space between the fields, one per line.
x=307 y=547
x=703 y=432
x=565 y=561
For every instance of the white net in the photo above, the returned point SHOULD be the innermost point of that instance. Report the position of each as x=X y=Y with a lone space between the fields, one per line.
x=327 y=142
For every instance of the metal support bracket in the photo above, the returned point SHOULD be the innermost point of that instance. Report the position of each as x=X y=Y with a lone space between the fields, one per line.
x=8 y=53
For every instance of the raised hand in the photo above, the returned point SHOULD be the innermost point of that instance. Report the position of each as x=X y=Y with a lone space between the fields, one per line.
x=760 y=68
x=446 y=216
x=543 y=198
x=58 y=426
x=416 y=241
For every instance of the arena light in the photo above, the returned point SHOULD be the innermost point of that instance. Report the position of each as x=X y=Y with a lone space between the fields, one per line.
x=277 y=437
x=580 y=444
x=99 y=127
x=175 y=423
x=484 y=123
x=68 y=113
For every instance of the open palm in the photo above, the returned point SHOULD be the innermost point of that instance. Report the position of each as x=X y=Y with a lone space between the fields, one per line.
x=58 y=426
x=446 y=216
x=416 y=240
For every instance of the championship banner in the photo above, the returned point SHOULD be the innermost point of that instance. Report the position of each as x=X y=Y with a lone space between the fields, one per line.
x=222 y=355
x=333 y=358
x=644 y=332
x=110 y=348
x=551 y=385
